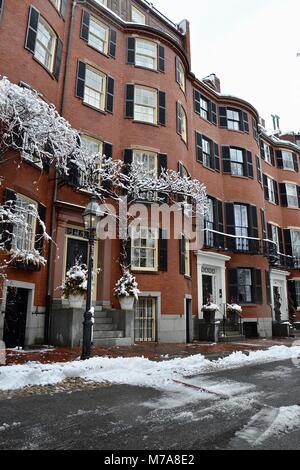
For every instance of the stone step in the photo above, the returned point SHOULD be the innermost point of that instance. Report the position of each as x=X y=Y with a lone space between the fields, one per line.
x=101 y=314
x=110 y=342
x=98 y=308
x=231 y=338
x=108 y=334
x=105 y=327
x=103 y=321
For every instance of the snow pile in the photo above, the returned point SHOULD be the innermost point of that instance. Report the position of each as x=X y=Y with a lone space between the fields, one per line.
x=135 y=371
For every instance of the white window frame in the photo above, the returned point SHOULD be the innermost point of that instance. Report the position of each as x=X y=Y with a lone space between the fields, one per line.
x=271 y=190
x=102 y=93
x=207 y=152
x=50 y=52
x=92 y=35
x=233 y=123
x=237 y=164
x=292 y=197
x=288 y=160
x=181 y=73
x=145 y=106
x=56 y=4
x=145 y=54
x=143 y=157
x=84 y=140
x=295 y=248
x=267 y=153
x=183 y=119
x=137 y=245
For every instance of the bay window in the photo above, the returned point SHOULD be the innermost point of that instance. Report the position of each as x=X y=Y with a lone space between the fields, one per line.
x=146 y=54
x=45 y=44
x=237 y=162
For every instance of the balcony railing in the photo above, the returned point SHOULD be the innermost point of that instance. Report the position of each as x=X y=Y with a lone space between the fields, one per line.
x=215 y=240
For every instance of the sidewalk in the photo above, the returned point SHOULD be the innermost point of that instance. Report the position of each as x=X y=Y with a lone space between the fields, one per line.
x=150 y=350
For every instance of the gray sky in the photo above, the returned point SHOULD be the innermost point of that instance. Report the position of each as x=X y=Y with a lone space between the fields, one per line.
x=252 y=46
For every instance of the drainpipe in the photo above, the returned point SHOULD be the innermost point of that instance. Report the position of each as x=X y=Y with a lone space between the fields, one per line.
x=55 y=190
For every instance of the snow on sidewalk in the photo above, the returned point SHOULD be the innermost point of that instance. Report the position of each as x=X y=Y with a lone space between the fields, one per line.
x=136 y=371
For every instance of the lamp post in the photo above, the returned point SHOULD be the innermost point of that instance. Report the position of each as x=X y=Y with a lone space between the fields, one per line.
x=90 y=218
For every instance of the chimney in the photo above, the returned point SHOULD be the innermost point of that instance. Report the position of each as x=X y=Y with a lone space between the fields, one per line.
x=276 y=123
x=213 y=82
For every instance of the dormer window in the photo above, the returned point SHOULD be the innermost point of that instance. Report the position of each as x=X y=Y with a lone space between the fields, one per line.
x=137 y=16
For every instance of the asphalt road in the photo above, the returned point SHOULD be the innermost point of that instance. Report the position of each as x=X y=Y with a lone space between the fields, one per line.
x=248 y=408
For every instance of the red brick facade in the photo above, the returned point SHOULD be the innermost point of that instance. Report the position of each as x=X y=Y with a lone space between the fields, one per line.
x=19 y=65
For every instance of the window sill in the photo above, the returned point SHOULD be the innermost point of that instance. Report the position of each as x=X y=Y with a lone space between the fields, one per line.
x=234 y=130
x=135 y=121
x=293 y=208
x=105 y=54
x=206 y=120
x=188 y=278
x=144 y=272
x=145 y=68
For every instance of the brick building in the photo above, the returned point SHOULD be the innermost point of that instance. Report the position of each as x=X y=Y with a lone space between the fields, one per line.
x=119 y=72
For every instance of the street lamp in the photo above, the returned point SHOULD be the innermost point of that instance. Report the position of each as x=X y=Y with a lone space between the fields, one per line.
x=90 y=219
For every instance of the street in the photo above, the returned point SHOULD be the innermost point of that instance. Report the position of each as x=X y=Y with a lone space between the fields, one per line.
x=252 y=407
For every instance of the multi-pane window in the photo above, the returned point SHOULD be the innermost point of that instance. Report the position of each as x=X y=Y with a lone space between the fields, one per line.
x=209 y=223
x=145 y=319
x=241 y=227
x=267 y=153
x=45 y=44
x=297 y=289
x=145 y=104
x=233 y=119
x=144 y=249
x=148 y=160
x=244 y=286
x=204 y=108
x=237 y=161
x=275 y=236
x=182 y=122
x=137 y=16
x=93 y=147
x=271 y=190
x=288 y=160
x=146 y=54
x=207 y=151
x=95 y=87
x=292 y=195
x=180 y=74
x=98 y=35
x=24 y=233
x=295 y=238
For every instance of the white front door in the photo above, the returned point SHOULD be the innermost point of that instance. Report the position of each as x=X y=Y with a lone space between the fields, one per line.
x=279 y=294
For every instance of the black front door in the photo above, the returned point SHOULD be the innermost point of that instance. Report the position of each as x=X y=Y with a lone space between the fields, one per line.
x=207 y=287
x=15 y=317
x=76 y=250
x=188 y=312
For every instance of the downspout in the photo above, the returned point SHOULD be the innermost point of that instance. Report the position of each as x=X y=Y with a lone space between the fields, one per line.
x=55 y=190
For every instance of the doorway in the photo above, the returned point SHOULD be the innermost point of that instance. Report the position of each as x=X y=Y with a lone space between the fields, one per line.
x=76 y=250
x=15 y=317
x=207 y=288
x=145 y=320
x=189 y=320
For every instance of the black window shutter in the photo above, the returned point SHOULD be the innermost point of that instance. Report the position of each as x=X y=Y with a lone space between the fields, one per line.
x=199 y=151
x=73 y=178
x=209 y=111
x=241 y=126
x=223 y=117
x=276 y=192
x=182 y=255
x=298 y=193
x=280 y=238
x=263 y=224
x=255 y=130
x=226 y=159
x=249 y=164
x=283 y=195
x=112 y=48
x=214 y=116
x=268 y=287
x=162 y=163
x=1 y=5
x=128 y=156
x=81 y=68
x=63 y=8
x=292 y=293
x=33 y=22
x=39 y=239
x=218 y=224
x=108 y=152
x=257 y=286
x=279 y=158
x=161 y=59
x=7 y=228
x=177 y=69
x=233 y=289
x=58 y=58
x=296 y=165
x=162 y=108
x=266 y=189
x=126 y=252
x=131 y=50
x=216 y=156
x=197 y=102
x=129 y=101
x=272 y=156
x=288 y=242
x=258 y=167
x=262 y=149
x=85 y=25
x=245 y=122
x=230 y=224
x=270 y=232
x=163 y=251
x=110 y=89
x=178 y=115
